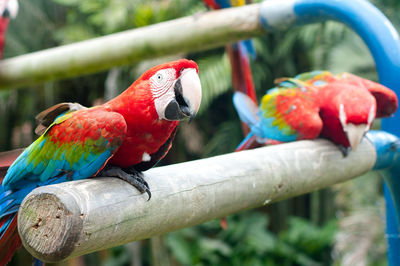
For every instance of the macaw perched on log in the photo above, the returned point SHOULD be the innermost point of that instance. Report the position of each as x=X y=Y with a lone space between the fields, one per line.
x=340 y=108
x=8 y=9
x=121 y=138
x=239 y=55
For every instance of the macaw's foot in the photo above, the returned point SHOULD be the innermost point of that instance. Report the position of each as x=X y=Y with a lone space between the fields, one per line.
x=133 y=177
x=345 y=150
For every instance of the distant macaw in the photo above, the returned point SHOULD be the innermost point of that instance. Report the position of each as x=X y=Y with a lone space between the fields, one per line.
x=8 y=9
x=340 y=108
x=242 y=79
x=121 y=138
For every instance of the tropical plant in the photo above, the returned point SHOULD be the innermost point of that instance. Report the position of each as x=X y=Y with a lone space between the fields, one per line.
x=268 y=236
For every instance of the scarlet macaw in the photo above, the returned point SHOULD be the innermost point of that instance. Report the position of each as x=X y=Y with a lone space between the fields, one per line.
x=121 y=138
x=239 y=55
x=341 y=108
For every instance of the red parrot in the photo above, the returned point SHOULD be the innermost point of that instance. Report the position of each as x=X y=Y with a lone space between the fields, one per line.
x=121 y=138
x=8 y=9
x=340 y=108
x=239 y=56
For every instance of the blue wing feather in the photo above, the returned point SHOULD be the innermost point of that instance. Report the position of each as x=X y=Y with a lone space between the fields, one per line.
x=44 y=162
x=246 y=109
x=224 y=3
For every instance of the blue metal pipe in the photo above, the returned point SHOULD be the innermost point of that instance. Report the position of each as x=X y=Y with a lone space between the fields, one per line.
x=388 y=157
x=383 y=41
x=387 y=149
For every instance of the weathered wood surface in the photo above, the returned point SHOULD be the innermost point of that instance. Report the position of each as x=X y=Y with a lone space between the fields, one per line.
x=194 y=33
x=70 y=219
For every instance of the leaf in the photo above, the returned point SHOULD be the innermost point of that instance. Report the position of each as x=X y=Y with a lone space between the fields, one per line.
x=180 y=248
x=215 y=77
x=67 y=2
x=208 y=245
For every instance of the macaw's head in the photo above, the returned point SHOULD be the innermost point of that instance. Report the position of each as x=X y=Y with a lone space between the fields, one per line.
x=176 y=89
x=356 y=109
x=8 y=9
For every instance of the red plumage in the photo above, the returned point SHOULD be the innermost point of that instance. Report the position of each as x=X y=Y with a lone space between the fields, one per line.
x=386 y=99
x=3 y=29
x=125 y=136
x=8 y=9
x=145 y=131
x=340 y=107
x=357 y=104
x=242 y=79
x=10 y=240
x=212 y=4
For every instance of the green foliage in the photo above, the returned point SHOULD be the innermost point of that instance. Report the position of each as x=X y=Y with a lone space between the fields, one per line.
x=91 y=18
x=247 y=241
x=118 y=256
x=215 y=76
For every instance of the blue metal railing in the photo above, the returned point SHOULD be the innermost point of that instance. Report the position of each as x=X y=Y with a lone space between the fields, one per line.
x=383 y=41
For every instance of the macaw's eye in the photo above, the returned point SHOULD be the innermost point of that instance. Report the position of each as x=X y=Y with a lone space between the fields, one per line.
x=162 y=80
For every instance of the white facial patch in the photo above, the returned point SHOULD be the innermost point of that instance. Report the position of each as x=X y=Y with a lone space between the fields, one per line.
x=342 y=116
x=162 y=89
x=371 y=115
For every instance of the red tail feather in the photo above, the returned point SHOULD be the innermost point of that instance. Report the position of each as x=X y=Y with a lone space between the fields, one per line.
x=10 y=241
x=3 y=29
x=251 y=143
x=242 y=79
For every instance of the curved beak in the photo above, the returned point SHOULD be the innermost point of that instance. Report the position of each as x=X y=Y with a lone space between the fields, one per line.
x=355 y=133
x=186 y=102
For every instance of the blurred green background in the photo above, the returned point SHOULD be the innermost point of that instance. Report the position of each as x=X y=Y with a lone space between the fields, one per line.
x=342 y=225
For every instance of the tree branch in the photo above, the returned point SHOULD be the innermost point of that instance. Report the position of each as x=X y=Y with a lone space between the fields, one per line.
x=198 y=32
x=66 y=220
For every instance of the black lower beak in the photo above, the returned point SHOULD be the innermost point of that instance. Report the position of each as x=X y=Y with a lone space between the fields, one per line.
x=178 y=108
x=6 y=13
x=174 y=112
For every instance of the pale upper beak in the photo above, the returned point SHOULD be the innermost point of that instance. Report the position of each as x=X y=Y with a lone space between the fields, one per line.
x=355 y=133
x=186 y=102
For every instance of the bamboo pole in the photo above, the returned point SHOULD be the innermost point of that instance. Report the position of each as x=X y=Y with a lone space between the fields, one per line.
x=70 y=219
x=194 y=33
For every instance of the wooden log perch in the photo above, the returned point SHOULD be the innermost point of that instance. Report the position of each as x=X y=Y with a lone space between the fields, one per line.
x=62 y=221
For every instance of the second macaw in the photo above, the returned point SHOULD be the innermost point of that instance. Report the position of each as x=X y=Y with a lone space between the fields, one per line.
x=239 y=55
x=340 y=108
x=120 y=138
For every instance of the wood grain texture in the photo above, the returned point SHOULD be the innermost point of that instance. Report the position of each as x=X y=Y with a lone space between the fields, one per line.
x=194 y=33
x=105 y=212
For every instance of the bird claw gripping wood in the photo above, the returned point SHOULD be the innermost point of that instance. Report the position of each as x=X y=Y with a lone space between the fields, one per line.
x=130 y=175
x=345 y=150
